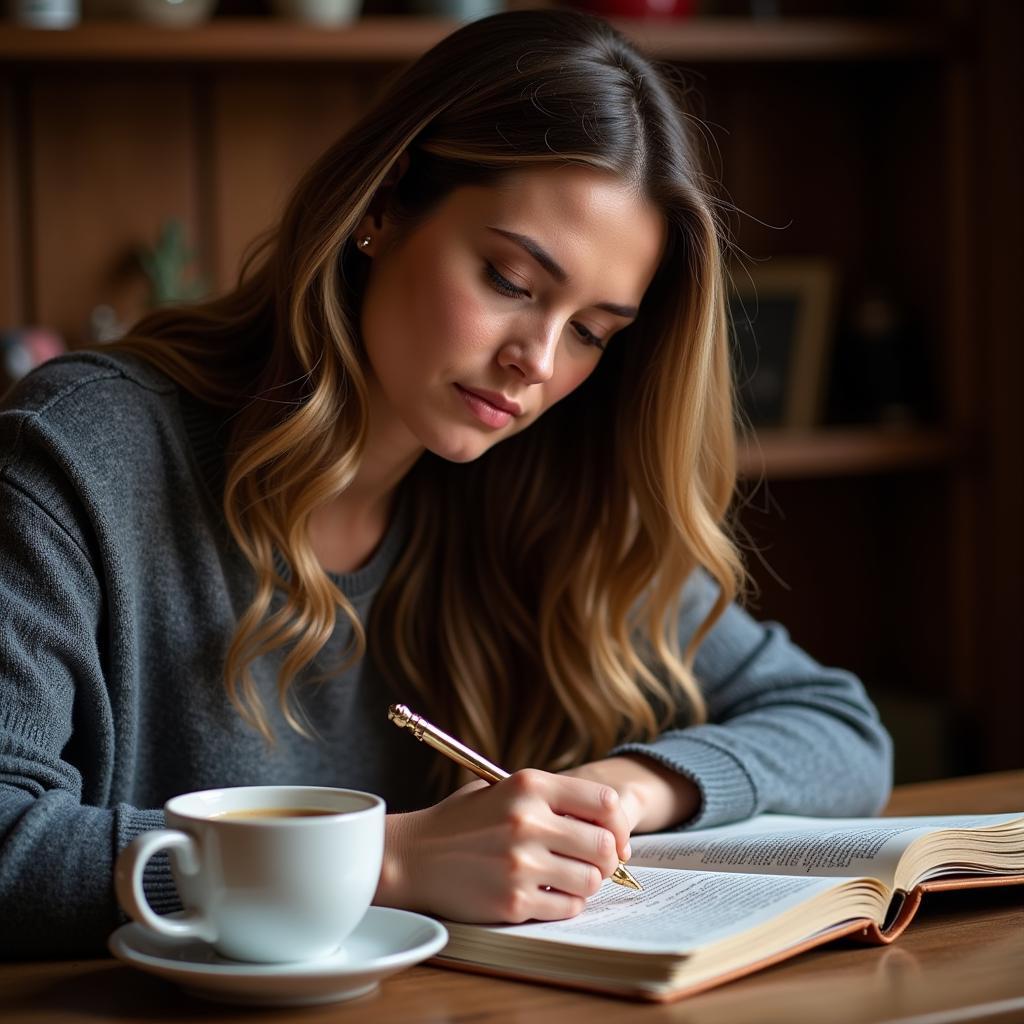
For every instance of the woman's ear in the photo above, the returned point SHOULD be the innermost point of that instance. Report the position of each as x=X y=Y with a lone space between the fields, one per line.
x=398 y=168
x=372 y=223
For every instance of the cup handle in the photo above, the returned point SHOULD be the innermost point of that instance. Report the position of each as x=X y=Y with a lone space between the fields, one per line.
x=131 y=863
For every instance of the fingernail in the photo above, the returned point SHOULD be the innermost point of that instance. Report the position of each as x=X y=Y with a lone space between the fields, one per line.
x=629 y=851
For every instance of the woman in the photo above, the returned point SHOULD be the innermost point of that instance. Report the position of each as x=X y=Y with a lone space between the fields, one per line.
x=462 y=436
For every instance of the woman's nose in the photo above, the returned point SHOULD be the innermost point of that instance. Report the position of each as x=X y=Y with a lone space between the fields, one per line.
x=533 y=356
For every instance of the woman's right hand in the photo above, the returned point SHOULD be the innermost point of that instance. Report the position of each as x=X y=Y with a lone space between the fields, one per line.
x=533 y=846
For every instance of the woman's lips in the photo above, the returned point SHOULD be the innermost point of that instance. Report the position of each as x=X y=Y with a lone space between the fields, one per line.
x=483 y=405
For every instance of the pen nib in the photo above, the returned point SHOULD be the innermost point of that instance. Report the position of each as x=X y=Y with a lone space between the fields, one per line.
x=623 y=877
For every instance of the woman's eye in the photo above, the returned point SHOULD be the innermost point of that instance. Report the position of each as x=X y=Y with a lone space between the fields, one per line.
x=503 y=285
x=589 y=338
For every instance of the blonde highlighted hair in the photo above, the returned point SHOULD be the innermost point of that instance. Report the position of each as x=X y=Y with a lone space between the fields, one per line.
x=533 y=609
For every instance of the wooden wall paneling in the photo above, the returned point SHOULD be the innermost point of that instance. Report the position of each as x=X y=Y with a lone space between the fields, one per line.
x=905 y=137
x=112 y=156
x=797 y=166
x=12 y=311
x=965 y=322
x=268 y=126
x=907 y=252
x=852 y=574
x=913 y=609
x=794 y=167
x=815 y=564
x=911 y=598
x=1001 y=503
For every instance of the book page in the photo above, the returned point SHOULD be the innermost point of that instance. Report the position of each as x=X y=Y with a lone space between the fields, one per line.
x=788 y=845
x=678 y=911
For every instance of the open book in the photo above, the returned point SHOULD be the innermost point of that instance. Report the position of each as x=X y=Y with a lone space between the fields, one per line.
x=722 y=902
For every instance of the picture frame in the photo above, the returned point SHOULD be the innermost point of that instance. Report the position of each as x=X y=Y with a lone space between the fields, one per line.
x=781 y=322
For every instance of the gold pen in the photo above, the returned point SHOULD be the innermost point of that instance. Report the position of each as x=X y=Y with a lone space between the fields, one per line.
x=479 y=766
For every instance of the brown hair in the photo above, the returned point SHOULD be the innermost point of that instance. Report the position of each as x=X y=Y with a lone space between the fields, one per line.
x=541 y=625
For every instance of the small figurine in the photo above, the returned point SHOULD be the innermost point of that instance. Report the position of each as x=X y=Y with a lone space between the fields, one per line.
x=166 y=264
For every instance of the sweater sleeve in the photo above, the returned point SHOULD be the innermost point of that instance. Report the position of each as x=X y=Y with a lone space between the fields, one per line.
x=783 y=733
x=58 y=836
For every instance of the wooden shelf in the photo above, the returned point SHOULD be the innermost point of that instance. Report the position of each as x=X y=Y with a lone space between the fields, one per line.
x=380 y=39
x=795 y=455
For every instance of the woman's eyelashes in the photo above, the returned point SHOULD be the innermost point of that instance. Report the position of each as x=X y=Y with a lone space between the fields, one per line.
x=506 y=287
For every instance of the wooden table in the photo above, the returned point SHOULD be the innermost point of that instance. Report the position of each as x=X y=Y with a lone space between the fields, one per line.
x=962 y=959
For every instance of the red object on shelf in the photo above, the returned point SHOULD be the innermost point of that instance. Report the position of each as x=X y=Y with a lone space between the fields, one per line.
x=640 y=8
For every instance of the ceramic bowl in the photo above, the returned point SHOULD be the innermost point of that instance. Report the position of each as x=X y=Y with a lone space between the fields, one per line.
x=319 y=12
x=173 y=13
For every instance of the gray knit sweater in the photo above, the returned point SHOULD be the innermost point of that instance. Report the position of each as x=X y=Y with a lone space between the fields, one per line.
x=120 y=588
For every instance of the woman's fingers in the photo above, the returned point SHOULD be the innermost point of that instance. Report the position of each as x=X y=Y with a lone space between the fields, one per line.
x=545 y=886
x=589 y=803
x=538 y=904
x=584 y=843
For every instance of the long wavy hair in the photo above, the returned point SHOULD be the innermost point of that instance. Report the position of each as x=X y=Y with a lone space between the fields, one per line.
x=533 y=609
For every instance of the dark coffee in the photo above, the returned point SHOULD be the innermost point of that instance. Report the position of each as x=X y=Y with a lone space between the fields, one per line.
x=276 y=812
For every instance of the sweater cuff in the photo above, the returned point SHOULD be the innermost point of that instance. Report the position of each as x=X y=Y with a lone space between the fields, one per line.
x=157 y=881
x=727 y=792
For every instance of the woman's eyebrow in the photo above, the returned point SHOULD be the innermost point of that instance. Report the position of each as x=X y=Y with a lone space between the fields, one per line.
x=555 y=269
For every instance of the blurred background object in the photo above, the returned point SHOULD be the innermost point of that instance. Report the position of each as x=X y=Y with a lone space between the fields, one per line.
x=169 y=266
x=105 y=325
x=782 y=321
x=45 y=13
x=883 y=370
x=326 y=13
x=460 y=10
x=172 y=13
x=23 y=349
x=640 y=8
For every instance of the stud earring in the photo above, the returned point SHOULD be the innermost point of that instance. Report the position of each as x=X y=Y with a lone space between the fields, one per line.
x=364 y=242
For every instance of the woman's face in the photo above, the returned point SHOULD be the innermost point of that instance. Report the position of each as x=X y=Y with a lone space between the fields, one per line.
x=492 y=309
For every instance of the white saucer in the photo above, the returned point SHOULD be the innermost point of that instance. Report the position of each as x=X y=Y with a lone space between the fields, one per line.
x=385 y=941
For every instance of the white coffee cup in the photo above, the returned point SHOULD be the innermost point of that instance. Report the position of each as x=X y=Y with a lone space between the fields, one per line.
x=259 y=886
